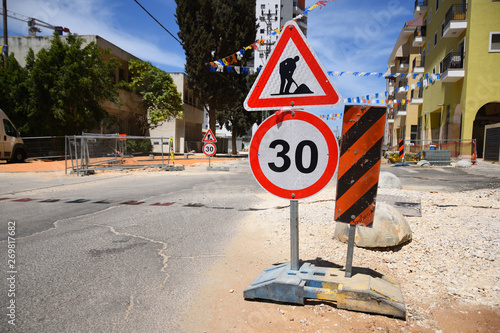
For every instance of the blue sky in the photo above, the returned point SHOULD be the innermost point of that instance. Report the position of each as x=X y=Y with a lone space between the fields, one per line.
x=346 y=35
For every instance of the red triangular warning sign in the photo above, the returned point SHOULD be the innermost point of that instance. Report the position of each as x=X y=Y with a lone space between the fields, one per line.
x=292 y=77
x=209 y=136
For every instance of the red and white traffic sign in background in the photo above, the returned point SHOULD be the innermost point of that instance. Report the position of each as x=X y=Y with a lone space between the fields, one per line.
x=209 y=137
x=293 y=154
x=209 y=149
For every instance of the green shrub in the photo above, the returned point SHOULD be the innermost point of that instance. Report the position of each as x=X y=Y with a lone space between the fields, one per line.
x=139 y=146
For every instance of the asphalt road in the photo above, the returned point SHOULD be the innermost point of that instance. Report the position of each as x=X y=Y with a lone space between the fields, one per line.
x=484 y=175
x=115 y=253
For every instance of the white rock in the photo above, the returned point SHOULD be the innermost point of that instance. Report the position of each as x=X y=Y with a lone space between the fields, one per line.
x=390 y=228
x=463 y=164
x=388 y=180
x=423 y=163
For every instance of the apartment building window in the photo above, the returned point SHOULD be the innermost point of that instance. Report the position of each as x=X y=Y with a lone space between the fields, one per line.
x=428 y=49
x=435 y=38
x=442 y=29
x=262 y=6
x=430 y=15
x=441 y=66
x=437 y=5
x=414 y=132
x=494 y=41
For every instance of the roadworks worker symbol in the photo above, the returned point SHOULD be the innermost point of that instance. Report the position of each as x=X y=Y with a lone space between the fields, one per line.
x=287 y=68
x=292 y=77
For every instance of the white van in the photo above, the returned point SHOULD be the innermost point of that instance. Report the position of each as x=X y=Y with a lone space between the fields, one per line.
x=11 y=145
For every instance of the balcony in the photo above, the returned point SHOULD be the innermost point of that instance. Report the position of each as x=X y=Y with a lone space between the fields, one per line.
x=419 y=36
x=420 y=8
x=390 y=116
x=455 y=21
x=400 y=90
x=404 y=65
x=418 y=65
x=453 y=67
x=401 y=111
x=417 y=98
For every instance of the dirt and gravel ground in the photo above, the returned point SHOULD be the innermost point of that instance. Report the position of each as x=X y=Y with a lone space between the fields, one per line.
x=449 y=272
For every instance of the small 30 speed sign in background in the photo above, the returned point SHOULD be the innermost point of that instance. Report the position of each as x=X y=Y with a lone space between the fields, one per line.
x=209 y=149
x=293 y=154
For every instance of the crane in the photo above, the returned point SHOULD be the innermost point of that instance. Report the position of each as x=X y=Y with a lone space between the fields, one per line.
x=34 y=24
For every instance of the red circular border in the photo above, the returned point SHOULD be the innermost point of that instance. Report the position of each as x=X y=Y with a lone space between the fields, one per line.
x=212 y=144
x=331 y=166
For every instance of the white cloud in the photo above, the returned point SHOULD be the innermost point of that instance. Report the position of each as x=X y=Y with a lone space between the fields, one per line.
x=95 y=17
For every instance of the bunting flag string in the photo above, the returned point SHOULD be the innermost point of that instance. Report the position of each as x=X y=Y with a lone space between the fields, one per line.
x=386 y=97
x=248 y=70
x=331 y=116
x=218 y=65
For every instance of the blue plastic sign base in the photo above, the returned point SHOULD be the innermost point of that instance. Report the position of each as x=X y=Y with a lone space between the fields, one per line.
x=366 y=291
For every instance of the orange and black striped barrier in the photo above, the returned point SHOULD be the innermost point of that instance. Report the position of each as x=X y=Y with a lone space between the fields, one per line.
x=359 y=164
x=401 y=148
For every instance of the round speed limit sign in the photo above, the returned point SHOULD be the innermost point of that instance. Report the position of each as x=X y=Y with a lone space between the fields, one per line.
x=209 y=149
x=293 y=154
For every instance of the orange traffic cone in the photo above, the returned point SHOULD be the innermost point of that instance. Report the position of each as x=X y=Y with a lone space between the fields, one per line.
x=473 y=159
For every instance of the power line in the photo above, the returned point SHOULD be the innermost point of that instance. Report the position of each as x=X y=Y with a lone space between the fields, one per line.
x=158 y=22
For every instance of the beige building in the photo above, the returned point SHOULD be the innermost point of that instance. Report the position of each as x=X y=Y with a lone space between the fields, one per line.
x=405 y=66
x=187 y=132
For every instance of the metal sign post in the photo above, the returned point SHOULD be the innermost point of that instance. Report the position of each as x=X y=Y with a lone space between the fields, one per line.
x=294 y=235
x=350 y=250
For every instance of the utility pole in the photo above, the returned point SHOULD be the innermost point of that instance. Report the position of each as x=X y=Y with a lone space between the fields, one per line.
x=5 y=36
x=267 y=18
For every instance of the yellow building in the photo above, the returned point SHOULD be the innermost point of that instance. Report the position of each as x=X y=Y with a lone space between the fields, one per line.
x=462 y=69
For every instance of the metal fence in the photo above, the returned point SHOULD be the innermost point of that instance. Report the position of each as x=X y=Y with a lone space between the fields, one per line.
x=436 y=152
x=89 y=152
x=50 y=147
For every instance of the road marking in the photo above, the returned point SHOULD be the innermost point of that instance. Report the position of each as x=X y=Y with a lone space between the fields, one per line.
x=408 y=170
x=78 y=201
x=23 y=200
x=132 y=203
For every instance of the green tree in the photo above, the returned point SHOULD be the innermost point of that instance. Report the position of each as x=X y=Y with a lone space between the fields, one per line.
x=234 y=117
x=159 y=94
x=13 y=90
x=211 y=30
x=66 y=85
